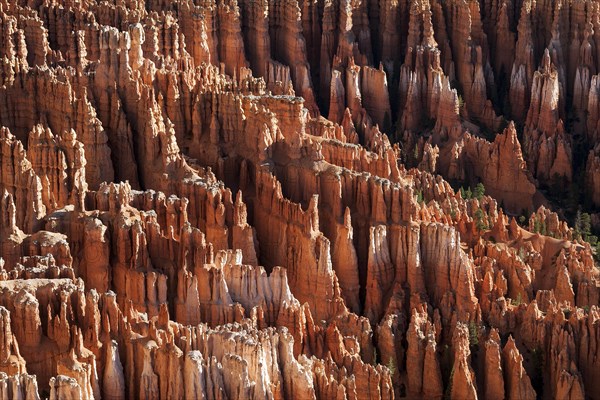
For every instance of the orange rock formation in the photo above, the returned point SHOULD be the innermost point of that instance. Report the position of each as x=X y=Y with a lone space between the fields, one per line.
x=252 y=199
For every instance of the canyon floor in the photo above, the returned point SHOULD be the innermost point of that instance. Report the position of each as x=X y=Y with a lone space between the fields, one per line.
x=299 y=199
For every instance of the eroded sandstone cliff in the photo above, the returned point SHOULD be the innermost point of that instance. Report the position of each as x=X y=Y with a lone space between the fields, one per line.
x=252 y=199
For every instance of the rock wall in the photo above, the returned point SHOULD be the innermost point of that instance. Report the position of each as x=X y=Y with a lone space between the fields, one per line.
x=179 y=219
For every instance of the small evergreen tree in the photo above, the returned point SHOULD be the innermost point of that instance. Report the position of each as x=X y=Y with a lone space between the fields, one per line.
x=543 y=229
x=391 y=366
x=452 y=213
x=479 y=191
x=419 y=196
x=586 y=225
x=537 y=225
x=479 y=220
x=593 y=240
x=583 y=225
x=518 y=301
x=466 y=193
x=578 y=224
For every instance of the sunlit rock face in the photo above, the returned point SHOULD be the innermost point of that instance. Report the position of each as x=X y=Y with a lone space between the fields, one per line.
x=249 y=199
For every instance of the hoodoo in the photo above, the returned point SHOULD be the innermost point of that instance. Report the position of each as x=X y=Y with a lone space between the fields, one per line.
x=299 y=199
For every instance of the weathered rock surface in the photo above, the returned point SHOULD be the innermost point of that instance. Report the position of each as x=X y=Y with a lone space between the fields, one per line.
x=247 y=199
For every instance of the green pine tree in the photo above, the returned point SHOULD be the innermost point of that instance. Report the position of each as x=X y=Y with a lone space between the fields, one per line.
x=479 y=191
x=480 y=220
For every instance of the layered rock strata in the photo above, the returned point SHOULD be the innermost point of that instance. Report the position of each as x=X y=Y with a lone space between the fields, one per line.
x=248 y=199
